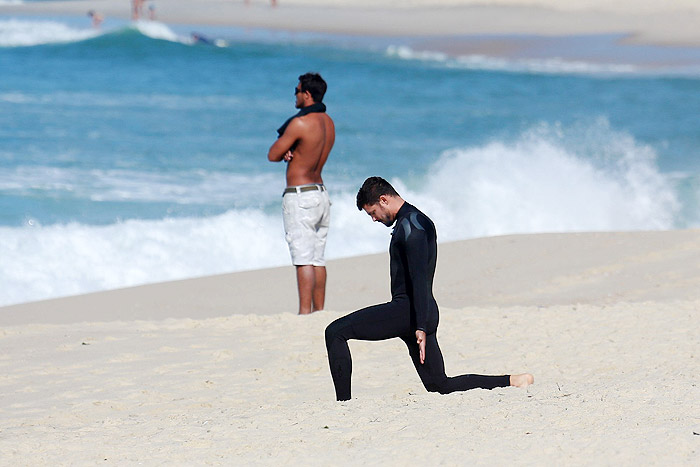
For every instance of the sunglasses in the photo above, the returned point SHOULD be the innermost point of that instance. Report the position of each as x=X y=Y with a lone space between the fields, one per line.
x=297 y=91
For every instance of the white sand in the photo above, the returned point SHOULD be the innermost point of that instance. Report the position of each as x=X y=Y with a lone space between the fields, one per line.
x=616 y=368
x=668 y=22
x=616 y=385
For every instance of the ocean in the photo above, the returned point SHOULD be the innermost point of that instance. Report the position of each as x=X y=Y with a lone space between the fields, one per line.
x=134 y=154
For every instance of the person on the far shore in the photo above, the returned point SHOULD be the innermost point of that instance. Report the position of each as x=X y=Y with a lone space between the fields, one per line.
x=305 y=141
x=273 y=3
x=136 y=9
x=96 y=18
x=412 y=314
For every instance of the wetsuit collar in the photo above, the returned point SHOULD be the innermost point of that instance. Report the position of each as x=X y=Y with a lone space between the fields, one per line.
x=317 y=107
x=405 y=207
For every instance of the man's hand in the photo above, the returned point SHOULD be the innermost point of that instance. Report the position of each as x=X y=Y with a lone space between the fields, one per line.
x=281 y=148
x=420 y=339
x=288 y=156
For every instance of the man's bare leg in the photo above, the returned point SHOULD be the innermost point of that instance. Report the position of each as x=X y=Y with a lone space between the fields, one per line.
x=522 y=380
x=319 y=293
x=306 y=279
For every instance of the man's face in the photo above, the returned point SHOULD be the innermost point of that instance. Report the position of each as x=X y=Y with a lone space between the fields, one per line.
x=379 y=212
x=299 y=97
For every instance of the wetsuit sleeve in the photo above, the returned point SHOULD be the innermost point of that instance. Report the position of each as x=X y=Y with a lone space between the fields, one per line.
x=417 y=262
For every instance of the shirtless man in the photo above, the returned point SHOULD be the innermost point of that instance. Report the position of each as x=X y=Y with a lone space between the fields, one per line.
x=304 y=142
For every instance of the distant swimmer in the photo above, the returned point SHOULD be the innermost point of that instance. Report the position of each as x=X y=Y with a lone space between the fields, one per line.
x=96 y=18
x=198 y=38
x=412 y=313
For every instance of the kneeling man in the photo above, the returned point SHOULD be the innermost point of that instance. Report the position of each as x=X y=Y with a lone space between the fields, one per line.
x=412 y=313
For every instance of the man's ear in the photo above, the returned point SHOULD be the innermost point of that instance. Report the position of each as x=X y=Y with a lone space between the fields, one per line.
x=383 y=200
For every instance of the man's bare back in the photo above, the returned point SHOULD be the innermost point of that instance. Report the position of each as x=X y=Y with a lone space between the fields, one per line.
x=316 y=137
x=305 y=144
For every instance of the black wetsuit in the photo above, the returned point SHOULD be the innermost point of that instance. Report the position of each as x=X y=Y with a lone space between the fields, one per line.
x=413 y=252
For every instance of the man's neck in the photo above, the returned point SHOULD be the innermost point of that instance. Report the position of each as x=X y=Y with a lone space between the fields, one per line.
x=397 y=203
x=305 y=104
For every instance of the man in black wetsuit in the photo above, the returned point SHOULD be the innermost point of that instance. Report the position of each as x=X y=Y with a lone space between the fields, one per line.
x=412 y=314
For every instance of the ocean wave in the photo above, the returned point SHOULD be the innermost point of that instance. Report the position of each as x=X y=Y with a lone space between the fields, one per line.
x=41 y=262
x=48 y=261
x=684 y=63
x=552 y=182
x=16 y=33
x=198 y=186
x=22 y=33
x=157 y=30
x=554 y=65
x=549 y=179
x=130 y=100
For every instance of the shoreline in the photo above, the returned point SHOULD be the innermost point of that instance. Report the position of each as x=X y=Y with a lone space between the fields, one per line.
x=675 y=27
x=540 y=270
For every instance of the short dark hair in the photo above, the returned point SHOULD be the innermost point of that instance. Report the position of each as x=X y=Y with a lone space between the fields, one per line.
x=372 y=189
x=313 y=83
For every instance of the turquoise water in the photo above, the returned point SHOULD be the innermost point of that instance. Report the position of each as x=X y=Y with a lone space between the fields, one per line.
x=133 y=155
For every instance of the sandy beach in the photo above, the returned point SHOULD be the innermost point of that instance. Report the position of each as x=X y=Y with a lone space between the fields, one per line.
x=220 y=370
x=200 y=372
x=648 y=22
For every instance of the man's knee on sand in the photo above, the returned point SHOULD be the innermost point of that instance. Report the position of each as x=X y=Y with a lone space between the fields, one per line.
x=334 y=331
x=439 y=386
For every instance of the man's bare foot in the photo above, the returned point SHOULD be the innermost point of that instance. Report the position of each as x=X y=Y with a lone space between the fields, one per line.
x=522 y=380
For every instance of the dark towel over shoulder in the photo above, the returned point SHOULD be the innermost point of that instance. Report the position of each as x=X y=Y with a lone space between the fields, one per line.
x=318 y=107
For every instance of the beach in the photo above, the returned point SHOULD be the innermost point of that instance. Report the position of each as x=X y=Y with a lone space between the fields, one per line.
x=188 y=373
x=649 y=22
x=615 y=384
x=219 y=370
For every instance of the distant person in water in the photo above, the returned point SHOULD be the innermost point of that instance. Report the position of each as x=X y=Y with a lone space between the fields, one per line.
x=201 y=39
x=96 y=18
x=304 y=142
x=412 y=314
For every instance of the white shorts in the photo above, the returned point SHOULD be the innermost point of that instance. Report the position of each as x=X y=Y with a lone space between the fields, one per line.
x=306 y=217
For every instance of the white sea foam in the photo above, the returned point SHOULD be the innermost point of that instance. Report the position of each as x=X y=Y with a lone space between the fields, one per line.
x=157 y=30
x=48 y=261
x=545 y=181
x=549 y=65
x=41 y=262
x=22 y=33
x=17 y=33
x=538 y=185
x=122 y=185
x=102 y=99
x=554 y=65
